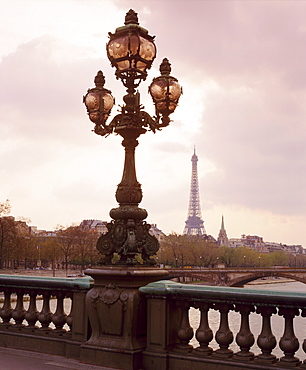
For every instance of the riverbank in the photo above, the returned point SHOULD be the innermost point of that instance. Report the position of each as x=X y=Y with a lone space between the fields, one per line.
x=270 y=281
x=45 y=272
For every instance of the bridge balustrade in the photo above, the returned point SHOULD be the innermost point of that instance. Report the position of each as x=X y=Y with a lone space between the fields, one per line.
x=170 y=335
x=34 y=313
x=172 y=343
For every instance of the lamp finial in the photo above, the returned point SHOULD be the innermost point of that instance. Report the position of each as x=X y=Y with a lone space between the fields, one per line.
x=131 y=17
x=165 y=67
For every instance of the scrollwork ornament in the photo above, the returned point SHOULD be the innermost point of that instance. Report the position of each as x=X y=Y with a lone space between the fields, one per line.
x=95 y=296
x=106 y=246
x=119 y=233
x=110 y=295
x=124 y=296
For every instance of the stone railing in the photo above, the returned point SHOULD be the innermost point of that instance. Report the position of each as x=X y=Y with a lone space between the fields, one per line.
x=44 y=313
x=138 y=324
x=172 y=343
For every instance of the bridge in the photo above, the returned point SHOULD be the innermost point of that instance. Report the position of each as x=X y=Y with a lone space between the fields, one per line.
x=235 y=277
x=135 y=318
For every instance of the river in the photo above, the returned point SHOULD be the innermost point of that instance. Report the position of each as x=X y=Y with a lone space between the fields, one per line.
x=255 y=320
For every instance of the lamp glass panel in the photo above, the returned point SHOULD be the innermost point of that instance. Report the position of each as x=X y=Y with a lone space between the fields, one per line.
x=147 y=49
x=134 y=45
x=174 y=90
x=171 y=106
x=141 y=65
x=118 y=48
x=92 y=101
x=94 y=117
x=108 y=102
x=123 y=65
x=162 y=107
x=158 y=89
x=165 y=107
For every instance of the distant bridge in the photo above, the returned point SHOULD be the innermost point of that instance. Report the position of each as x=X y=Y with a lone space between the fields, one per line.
x=235 y=276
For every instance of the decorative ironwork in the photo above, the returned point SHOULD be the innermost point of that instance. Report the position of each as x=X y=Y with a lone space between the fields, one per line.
x=131 y=50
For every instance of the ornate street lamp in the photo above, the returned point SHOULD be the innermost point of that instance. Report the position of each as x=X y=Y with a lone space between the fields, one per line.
x=131 y=50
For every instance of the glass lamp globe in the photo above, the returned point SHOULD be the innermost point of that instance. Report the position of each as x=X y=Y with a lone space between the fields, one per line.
x=165 y=90
x=131 y=50
x=99 y=101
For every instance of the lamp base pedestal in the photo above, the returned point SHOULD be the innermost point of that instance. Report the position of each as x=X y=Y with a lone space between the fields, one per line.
x=118 y=316
x=128 y=235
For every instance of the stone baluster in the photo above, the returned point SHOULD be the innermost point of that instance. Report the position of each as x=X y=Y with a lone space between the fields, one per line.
x=303 y=314
x=289 y=343
x=224 y=335
x=185 y=331
x=266 y=340
x=32 y=314
x=45 y=315
x=204 y=334
x=69 y=319
x=245 y=338
x=59 y=317
x=6 y=310
x=18 y=313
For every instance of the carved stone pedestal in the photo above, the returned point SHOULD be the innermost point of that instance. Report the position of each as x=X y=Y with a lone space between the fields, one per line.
x=118 y=316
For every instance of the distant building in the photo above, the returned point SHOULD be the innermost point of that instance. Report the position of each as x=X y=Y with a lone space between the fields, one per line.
x=235 y=243
x=20 y=226
x=41 y=233
x=257 y=243
x=222 y=238
x=208 y=238
x=155 y=231
x=273 y=247
x=295 y=249
x=97 y=226
x=254 y=241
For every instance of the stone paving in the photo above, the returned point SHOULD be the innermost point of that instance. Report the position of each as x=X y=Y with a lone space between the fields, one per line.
x=12 y=359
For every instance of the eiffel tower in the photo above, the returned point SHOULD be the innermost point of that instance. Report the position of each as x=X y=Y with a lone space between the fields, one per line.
x=194 y=224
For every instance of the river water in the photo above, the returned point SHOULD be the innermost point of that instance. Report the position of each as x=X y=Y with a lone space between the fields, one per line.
x=277 y=322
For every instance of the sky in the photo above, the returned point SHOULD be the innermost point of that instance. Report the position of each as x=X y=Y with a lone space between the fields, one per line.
x=242 y=68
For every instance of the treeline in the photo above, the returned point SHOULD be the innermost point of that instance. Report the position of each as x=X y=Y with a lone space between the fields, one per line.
x=182 y=250
x=65 y=248
x=74 y=246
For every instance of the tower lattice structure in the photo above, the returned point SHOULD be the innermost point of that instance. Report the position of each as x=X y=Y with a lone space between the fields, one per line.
x=194 y=224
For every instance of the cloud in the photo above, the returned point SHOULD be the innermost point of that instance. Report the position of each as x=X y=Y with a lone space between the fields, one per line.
x=260 y=153
x=252 y=127
x=241 y=65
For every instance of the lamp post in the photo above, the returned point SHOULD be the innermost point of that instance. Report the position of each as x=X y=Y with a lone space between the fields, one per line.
x=244 y=258
x=259 y=261
x=131 y=50
x=114 y=304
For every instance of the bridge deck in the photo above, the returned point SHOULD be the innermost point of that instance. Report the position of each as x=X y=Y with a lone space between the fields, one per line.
x=12 y=359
